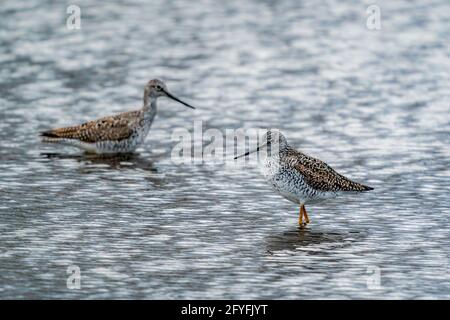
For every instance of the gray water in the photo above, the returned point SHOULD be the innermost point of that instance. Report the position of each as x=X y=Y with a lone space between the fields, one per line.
x=374 y=104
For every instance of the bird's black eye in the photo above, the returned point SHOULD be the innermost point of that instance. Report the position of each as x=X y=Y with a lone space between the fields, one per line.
x=158 y=87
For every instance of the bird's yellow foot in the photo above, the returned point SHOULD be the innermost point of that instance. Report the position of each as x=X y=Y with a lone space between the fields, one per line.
x=305 y=215
x=300 y=217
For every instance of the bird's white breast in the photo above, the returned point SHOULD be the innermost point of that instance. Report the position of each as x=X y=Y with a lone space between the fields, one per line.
x=273 y=173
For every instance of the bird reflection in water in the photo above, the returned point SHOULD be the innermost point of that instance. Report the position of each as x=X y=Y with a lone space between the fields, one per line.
x=297 y=238
x=113 y=161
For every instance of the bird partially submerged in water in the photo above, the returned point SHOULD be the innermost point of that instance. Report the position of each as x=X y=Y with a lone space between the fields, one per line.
x=298 y=177
x=121 y=133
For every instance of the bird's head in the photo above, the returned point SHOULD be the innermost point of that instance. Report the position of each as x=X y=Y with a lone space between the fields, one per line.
x=272 y=142
x=274 y=138
x=156 y=88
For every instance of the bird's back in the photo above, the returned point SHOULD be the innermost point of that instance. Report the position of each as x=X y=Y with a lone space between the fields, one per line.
x=317 y=174
x=112 y=128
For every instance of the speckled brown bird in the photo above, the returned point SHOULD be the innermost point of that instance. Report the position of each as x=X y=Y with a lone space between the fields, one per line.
x=298 y=177
x=121 y=133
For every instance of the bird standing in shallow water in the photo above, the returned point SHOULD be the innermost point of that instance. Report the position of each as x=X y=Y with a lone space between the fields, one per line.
x=298 y=177
x=121 y=133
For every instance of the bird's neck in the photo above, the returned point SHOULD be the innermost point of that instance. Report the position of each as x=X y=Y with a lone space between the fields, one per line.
x=149 y=107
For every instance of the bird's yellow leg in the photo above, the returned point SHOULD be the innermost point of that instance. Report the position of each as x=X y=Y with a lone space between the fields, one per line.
x=305 y=214
x=300 y=217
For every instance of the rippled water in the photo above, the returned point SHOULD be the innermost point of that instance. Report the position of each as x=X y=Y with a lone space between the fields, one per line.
x=373 y=104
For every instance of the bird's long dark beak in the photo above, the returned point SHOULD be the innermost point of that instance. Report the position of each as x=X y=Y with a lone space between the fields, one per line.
x=171 y=96
x=249 y=152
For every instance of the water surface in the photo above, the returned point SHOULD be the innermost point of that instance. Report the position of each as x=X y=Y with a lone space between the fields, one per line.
x=373 y=104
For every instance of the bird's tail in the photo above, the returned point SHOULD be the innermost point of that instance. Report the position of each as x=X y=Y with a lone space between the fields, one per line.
x=366 y=188
x=49 y=137
x=48 y=134
x=360 y=187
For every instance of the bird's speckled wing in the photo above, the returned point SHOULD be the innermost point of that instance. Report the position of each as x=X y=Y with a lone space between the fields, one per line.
x=320 y=176
x=113 y=128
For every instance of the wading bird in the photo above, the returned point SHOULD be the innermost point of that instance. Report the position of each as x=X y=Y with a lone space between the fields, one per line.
x=298 y=177
x=121 y=133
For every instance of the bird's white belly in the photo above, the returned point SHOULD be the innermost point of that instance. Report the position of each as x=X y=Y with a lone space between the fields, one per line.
x=122 y=146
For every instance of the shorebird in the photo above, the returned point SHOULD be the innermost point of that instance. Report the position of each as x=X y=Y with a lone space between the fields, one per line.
x=121 y=133
x=298 y=177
